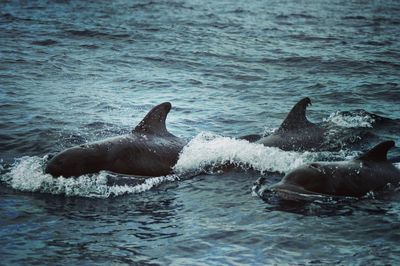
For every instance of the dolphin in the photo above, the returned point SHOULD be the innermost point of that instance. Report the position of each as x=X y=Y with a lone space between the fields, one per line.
x=150 y=150
x=372 y=171
x=296 y=132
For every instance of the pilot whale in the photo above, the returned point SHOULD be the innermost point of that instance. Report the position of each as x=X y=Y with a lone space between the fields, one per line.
x=150 y=150
x=372 y=171
x=296 y=132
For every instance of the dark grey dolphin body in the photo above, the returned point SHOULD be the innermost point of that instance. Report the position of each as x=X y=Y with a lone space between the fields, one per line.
x=369 y=172
x=296 y=132
x=150 y=150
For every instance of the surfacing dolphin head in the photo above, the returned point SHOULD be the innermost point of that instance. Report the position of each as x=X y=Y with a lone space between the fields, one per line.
x=75 y=160
x=355 y=178
x=306 y=179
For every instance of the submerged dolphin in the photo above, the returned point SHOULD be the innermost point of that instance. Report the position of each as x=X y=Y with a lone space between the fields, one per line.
x=369 y=172
x=296 y=132
x=150 y=150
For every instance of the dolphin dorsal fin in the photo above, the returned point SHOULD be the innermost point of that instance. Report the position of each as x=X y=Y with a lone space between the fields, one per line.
x=297 y=116
x=154 y=121
x=378 y=153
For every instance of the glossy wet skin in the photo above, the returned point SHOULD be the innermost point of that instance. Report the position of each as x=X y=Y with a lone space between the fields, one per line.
x=149 y=151
x=353 y=178
x=74 y=161
x=136 y=154
x=296 y=132
x=305 y=180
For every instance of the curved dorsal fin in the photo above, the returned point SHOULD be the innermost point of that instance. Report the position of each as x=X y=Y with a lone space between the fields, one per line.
x=378 y=153
x=154 y=121
x=297 y=116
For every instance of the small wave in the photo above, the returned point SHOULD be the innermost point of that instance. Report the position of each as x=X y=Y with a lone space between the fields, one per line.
x=354 y=18
x=377 y=43
x=304 y=37
x=295 y=16
x=143 y=5
x=97 y=34
x=90 y=46
x=209 y=150
x=26 y=174
x=44 y=42
x=351 y=120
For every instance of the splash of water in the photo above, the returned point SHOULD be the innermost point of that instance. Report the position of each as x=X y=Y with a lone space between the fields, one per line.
x=203 y=151
x=207 y=149
x=350 y=120
x=26 y=174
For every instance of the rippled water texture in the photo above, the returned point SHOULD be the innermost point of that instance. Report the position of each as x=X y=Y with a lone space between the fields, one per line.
x=79 y=71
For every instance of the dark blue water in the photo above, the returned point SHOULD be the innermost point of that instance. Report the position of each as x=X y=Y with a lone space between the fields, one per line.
x=79 y=71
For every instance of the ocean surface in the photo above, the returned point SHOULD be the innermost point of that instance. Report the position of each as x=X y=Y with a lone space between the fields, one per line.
x=72 y=72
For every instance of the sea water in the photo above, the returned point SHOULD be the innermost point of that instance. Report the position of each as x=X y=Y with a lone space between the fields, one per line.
x=72 y=72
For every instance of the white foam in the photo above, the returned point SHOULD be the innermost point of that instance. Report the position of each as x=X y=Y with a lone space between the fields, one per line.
x=27 y=175
x=204 y=152
x=268 y=131
x=210 y=150
x=350 y=121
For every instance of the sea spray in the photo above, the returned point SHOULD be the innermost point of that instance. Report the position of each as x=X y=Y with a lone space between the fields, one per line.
x=207 y=149
x=204 y=151
x=351 y=120
x=26 y=174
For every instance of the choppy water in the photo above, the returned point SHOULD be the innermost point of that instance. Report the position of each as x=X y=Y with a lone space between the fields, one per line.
x=78 y=71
